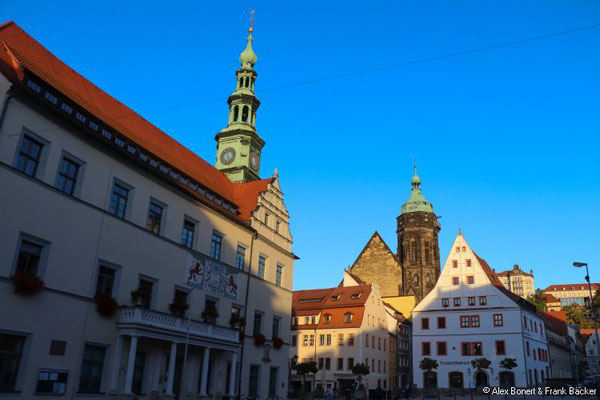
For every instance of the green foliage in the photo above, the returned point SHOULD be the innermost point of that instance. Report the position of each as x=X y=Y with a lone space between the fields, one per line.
x=481 y=363
x=360 y=369
x=508 y=363
x=538 y=300
x=579 y=315
x=427 y=364
x=306 y=368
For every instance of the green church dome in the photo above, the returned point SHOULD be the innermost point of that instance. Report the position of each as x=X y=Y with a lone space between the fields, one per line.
x=248 y=58
x=416 y=202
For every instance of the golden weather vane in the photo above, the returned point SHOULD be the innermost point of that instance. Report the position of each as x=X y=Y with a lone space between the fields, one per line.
x=252 y=20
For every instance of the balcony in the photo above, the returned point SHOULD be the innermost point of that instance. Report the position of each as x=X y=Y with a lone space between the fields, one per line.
x=143 y=318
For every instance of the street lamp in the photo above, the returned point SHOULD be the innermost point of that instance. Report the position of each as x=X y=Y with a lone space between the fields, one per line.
x=587 y=278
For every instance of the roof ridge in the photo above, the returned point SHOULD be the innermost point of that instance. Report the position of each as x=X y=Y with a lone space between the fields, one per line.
x=7 y=23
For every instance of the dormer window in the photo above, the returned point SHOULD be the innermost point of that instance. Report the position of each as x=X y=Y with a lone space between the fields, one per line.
x=327 y=318
x=336 y=297
x=348 y=317
x=355 y=296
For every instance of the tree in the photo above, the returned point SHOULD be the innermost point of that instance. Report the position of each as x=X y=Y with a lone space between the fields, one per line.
x=538 y=300
x=579 y=315
x=427 y=364
x=306 y=368
x=481 y=363
x=360 y=369
x=508 y=363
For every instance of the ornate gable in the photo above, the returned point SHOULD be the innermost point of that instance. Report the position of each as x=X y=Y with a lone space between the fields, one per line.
x=376 y=263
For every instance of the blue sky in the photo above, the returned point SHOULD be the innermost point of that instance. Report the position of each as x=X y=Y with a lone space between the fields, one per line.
x=506 y=140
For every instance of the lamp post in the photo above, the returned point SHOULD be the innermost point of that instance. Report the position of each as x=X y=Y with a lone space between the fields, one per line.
x=587 y=278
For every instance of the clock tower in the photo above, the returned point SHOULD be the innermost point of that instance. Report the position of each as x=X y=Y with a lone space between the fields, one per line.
x=238 y=145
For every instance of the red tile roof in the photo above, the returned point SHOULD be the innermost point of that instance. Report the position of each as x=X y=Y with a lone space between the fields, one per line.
x=19 y=52
x=554 y=321
x=550 y=299
x=571 y=286
x=320 y=301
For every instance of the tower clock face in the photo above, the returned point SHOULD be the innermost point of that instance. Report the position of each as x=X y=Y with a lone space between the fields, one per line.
x=227 y=156
x=254 y=161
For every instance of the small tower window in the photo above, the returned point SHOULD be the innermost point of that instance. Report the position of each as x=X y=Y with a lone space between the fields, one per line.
x=247 y=82
x=245 y=112
x=241 y=82
x=236 y=113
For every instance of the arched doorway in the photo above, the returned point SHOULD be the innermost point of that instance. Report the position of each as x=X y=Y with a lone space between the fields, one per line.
x=455 y=380
x=481 y=379
x=507 y=379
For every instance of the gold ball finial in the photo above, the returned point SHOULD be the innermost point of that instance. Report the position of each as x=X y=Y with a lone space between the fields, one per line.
x=251 y=29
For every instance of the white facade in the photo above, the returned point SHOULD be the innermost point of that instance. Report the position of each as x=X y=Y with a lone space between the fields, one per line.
x=469 y=315
x=59 y=340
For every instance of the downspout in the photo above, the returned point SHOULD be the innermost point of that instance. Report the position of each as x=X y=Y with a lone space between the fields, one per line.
x=254 y=237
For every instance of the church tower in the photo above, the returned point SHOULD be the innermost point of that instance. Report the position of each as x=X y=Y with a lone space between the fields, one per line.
x=238 y=145
x=418 y=249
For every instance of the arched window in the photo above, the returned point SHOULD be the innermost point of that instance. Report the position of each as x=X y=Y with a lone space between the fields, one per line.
x=245 y=112
x=241 y=82
x=413 y=250
x=247 y=82
x=236 y=113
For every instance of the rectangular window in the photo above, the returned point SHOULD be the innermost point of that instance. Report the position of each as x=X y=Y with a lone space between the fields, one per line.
x=441 y=349
x=471 y=301
x=328 y=363
x=187 y=233
x=275 y=330
x=29 y=155
x=304 y=340
x=278 y=274
x=253 y=381
x=465 y=322
x=471 y=348
x=311 y=340
x=328 y=341
x=350 y=363
x=261 y=266
x=426 y=349
x=11 y=354
x=441 y=322
x=155 y=213
x=118 y=200
x=320 y=364
x=91 y=369
x=424 y=324
x=321 y=340
x=294 y=340
x=455 y=281
x=351 y=339
x=500 y=347
x=468 y=262
x=527 y=346
x=470 y=280
x=456 y=301
x=106 y=280
x=340 y=339
x=445 y=302
x=67 y=176
x=51 y=381
x=145 y=287
x=257 y=329
x=367 y=341
x=340 y=364
x=454 y=264
x=482 y=300
x=240 y=257
x=498 y=321
x=475 y=321
x=28 y=261
x=215 y=246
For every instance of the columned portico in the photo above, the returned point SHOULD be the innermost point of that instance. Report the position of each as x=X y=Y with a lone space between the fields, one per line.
x=232 y=375
x=171 y=371
x=130 y=364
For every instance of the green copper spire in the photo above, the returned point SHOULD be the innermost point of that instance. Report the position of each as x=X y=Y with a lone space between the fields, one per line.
x=416 y=201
